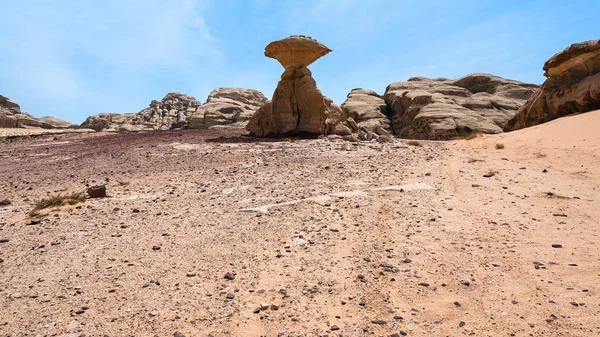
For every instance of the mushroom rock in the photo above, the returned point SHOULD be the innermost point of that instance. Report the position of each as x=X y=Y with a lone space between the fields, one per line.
x=298 y=106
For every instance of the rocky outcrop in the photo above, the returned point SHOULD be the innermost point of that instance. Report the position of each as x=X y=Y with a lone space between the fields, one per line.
x=172 y=112
x=367 y=109
x=110 y=121
x=573 y=86
x=11 y=116
x=8 y=109
x=231 y=107
x=297 y=107
x=424 y=108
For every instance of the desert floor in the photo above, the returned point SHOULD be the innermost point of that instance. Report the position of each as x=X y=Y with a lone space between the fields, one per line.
x=330 y=238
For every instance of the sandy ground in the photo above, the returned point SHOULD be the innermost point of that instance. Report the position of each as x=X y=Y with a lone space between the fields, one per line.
x=328 y=238
x=18 y=132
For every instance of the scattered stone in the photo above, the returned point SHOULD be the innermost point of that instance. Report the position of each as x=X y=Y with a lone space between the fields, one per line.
x=457 y=304
x=178 y=334
x=334 y=328
x=98 y=191
x=5 y=202
x=462 y=324
x=379 y=322
x=274 y=307
x=424 y=284
x=230 y=276
x=153 y=313
x=191 y=274
x=489 y=175
x=556 y=245
x=230 y=296
x=575 y=304
x=4 y=240
x=34 y=222
x=155 y=248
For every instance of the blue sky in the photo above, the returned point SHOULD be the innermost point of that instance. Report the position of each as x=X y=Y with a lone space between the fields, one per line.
x=72 y=59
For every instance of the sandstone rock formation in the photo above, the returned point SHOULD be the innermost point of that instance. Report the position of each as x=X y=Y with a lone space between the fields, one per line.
x=232 y=107
x=11 y=116
x=8 y=109
x=297 y=107
x=172 y=112
x=367 y=109
x=573 y=86
x=423 y=108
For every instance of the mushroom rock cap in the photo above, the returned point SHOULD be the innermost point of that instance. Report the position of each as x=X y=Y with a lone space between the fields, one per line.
x=296 y=51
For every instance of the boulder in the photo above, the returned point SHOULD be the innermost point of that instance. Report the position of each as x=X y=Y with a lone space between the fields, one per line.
x=297 y=106
x=232 y=107
x=423 y=108
x=98 y=191
x=368 y=109
x=573 y=86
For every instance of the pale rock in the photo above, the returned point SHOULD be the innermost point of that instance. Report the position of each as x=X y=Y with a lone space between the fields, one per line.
x=573 y=86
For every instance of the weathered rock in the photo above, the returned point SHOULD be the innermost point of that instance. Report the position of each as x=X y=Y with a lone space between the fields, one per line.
x=368 y=109
x=422 y=108
x=232 y=107
x=98 y=191
x=11 y=116
x=296 y=51
x=8 y=121
x=8 y=110
x=172 y=112
x=297 y=107
x=573 y=86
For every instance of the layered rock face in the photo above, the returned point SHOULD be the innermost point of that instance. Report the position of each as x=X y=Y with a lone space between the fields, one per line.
x=297 y=107
x=8 y=109
x=12 y=117
x=573 y=86
x=424 y=108
x=172 y=112
x=367 y=109
x=231 y=107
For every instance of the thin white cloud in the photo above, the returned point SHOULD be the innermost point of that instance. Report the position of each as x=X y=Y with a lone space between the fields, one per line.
x=59 y=50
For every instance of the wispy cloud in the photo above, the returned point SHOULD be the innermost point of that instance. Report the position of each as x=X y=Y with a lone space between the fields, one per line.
x=63 y=52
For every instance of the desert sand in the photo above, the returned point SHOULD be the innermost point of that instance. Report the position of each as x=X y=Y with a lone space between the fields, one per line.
x=211 y=233
x=19 y=132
